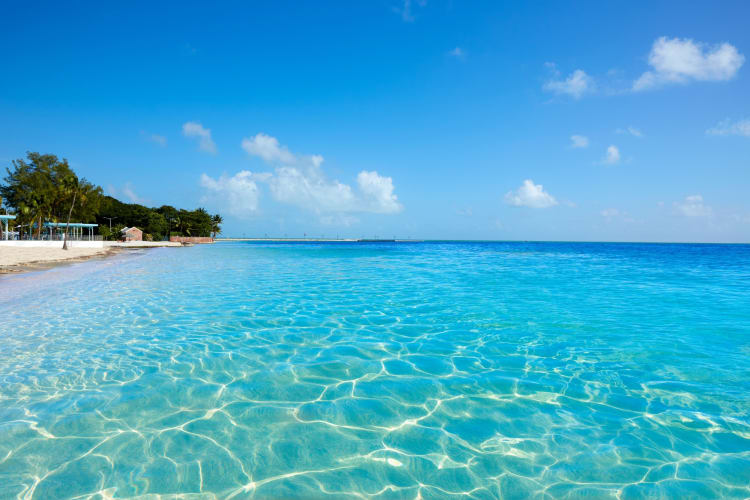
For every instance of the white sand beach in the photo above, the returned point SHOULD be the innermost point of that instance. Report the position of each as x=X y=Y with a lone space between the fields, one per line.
x=13 y=258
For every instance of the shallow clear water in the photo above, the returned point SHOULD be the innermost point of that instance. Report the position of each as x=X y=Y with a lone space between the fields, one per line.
x=434 y=370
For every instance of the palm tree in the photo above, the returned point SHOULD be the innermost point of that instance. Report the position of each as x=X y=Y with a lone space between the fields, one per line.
x=83 y=192
x=70 y=183
x=33 y=211
x=216 y=222
x=184 y=224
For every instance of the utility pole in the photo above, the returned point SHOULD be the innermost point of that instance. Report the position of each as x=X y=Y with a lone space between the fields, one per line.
x=110 y=222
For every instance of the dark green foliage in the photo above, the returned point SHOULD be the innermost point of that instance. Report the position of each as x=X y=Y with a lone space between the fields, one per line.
x=158 y=222
x=216 y=222
x=41 y=188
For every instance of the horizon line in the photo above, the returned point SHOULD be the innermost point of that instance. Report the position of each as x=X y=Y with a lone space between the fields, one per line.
x=460 y=240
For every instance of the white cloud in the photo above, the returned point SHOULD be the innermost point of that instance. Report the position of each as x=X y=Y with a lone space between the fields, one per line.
x=267 y=148
x=613 y=214
x=458 y=53
x=310 y=189
x=377 y=193
x=159 y=139
x=130 y=194
x=195 y=129
x=613 y=156
x=155 y=138
x=726 y=127
x=678 y=60
x=630 y=130
x=693 y=206
x=127 y=193
x=530 y=195
x=576 y=85
x=239 y=194
x=299 y=180
x=579 y=141
x=405 y=10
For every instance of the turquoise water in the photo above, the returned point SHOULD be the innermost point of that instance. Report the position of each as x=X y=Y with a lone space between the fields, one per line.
x=433 y=370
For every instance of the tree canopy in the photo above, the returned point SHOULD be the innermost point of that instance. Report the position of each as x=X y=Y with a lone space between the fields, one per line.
x=157 y=222
x=42 y=188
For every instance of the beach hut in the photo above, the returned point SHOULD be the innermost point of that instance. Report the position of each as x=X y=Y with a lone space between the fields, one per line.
x=131 y=234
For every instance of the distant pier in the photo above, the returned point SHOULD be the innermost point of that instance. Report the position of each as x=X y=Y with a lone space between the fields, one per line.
x=319 y=240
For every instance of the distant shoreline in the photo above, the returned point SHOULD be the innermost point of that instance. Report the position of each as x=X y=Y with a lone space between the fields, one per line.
x=320 y=240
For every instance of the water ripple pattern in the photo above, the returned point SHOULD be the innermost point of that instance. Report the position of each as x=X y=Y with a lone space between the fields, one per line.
x=389 y=371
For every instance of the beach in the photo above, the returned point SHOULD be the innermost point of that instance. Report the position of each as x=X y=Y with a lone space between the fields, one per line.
x=14 y=259
x=17 y=259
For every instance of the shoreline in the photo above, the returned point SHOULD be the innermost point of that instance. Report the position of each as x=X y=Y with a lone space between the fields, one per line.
x=41 y=259
x=24 y=259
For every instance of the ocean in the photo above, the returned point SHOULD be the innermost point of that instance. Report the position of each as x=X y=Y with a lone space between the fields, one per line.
x=380 y=370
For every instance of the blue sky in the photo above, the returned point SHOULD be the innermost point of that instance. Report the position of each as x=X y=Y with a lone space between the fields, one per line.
x=423 y=119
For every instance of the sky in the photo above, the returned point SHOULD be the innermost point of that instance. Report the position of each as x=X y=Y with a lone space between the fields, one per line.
x=428 y=119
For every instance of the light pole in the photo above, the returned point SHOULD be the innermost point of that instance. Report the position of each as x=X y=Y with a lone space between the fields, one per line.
x=110 y=222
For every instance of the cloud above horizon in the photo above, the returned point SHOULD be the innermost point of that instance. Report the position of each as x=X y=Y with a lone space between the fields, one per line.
x=196 y=130
x=727 y=127
x=682 y=60
x=155 y=138
x=267 y=148
x=630 y=130
x=579 y=141
x=299 y=180
x=693 y=206
x=612 y=156
x=238 y=194
x=672 y=61
x=127 y=192
x=575 y=85
x=530 y=195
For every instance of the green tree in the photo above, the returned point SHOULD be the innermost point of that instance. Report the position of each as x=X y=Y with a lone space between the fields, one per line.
x=116 y=233
x=185 y=223
x=42 y=188
x=216 y=221
x=69 y=184
x=29 y=189
x=203 y=222
x=171 y=216
x=156 y=225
